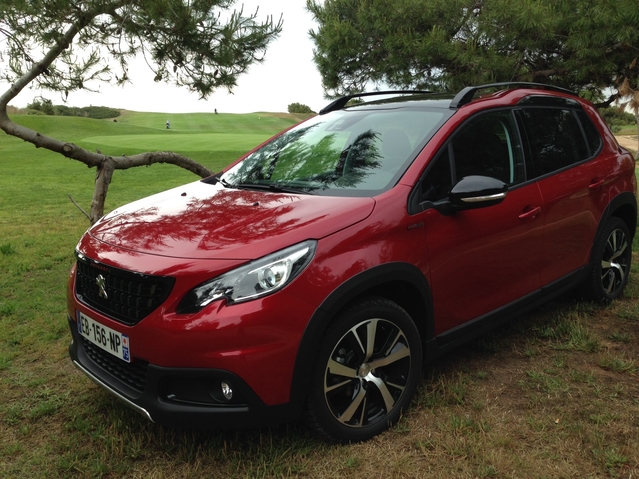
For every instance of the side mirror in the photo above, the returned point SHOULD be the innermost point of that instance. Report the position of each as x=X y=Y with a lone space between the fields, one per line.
x=477 y=192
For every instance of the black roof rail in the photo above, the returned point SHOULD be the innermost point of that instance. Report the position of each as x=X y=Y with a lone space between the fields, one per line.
x=341 y=102
x=466 y=95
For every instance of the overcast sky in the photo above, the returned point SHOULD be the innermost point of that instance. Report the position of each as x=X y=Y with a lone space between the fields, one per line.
x=287 y=75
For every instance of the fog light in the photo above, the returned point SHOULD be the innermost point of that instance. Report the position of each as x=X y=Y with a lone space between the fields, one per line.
x=227 y=391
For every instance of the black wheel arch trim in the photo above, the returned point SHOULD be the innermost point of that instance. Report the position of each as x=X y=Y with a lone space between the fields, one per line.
x=369 y=281
x=619 y=202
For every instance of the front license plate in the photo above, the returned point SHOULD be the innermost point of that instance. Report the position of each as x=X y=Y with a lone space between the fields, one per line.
x=103 y=337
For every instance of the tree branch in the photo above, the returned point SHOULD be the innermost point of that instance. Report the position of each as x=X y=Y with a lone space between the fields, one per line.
x=149 y=158
x=38 y=68
x=79 y=207
x=611 y=99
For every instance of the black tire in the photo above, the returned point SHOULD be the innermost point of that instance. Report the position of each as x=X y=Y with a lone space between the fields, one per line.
x=362 y=382
x=611 y=258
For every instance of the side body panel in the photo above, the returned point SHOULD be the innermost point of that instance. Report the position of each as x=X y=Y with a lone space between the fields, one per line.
x=483 y=259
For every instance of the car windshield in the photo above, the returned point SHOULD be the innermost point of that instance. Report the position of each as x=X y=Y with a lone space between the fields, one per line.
x=352 y=152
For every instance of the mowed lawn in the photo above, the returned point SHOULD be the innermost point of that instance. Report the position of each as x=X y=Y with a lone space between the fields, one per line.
x=552 y=395
x=213 y=140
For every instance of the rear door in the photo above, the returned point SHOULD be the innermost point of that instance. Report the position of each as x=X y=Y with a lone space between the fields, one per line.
x=572 y=183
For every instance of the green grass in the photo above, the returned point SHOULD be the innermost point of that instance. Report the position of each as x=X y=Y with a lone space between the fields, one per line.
x=627 y=130
x=553 y=394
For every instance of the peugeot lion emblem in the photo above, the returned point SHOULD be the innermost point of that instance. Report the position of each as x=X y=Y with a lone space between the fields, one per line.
x=101 y=282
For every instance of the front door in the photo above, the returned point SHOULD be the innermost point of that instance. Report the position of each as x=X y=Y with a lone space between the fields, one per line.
x=481 y=259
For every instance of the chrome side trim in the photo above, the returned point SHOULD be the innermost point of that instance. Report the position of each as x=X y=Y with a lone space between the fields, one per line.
x=480 y=199
x=119 y=396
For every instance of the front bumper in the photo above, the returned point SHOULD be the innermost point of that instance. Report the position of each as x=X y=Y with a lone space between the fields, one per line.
x=177 y=397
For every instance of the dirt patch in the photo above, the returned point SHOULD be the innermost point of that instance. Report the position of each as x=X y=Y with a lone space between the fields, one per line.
x=629 y=142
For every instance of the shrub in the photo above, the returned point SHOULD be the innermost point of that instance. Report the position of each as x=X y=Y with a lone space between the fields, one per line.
x=615 y=116
x=299 y=108
x=42 y=106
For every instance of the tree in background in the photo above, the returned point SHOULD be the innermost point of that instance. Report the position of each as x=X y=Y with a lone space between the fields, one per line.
x=617 y=117
x=445 y=45
x=299 y=108
x=42 y=105
x=629 y=97
x=67 y=46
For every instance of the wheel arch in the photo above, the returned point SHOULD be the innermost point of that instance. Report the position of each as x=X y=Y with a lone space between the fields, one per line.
x=623 y=206
x=627 y=211
x=402 y=283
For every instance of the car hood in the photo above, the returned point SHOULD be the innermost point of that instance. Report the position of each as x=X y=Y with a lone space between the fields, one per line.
x=205 y=221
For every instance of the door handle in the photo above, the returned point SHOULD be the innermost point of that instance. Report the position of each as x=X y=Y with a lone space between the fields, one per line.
x=530 y=212
x=595 y=184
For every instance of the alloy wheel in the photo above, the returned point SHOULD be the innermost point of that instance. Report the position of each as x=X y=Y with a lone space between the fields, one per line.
x=614 y=263
x=367 y=372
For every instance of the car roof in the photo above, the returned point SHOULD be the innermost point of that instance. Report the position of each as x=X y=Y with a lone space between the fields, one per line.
x=438 y=100
x=405 y=101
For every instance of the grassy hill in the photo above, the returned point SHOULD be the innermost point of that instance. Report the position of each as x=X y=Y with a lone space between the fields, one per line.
x=213 y=140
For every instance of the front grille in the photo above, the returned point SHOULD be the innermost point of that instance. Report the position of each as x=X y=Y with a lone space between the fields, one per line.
x=122 y=295
x=132 y=374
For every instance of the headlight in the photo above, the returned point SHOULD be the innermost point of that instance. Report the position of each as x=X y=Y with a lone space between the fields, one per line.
x=253 y=280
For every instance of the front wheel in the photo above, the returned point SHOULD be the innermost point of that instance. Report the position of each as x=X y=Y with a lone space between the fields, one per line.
x=367 y=370
x=611 y=257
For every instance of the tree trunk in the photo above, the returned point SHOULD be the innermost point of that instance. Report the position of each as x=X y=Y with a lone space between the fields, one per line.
x=102 y=181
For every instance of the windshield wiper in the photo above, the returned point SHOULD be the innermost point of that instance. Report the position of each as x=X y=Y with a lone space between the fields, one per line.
x=224 y=183
x=287 y=189
x=275 y=188
x=215 y=179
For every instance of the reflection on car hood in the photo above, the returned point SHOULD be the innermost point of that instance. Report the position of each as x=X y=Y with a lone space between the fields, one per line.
x=200 y=220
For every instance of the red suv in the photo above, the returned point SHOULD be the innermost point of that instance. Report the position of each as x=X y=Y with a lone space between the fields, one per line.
x=316 y=274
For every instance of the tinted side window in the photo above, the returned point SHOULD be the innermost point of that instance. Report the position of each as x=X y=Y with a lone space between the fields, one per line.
x=487 y=145
x=556 y=138
x=592 y=134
